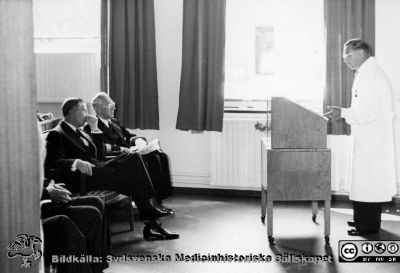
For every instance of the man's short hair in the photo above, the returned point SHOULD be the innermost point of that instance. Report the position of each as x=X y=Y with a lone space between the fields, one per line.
x=69 y=104
x=357 y=43
x=99 y=98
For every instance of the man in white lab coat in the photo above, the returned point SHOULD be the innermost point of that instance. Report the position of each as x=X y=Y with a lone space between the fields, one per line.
x=371 y=118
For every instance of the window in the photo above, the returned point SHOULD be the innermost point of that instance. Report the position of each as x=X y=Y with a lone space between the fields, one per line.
x=67 y=49
x=66 y=25
x=275 y=48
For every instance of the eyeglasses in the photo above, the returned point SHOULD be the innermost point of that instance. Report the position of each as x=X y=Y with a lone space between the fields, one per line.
x=84 y=109
x=112 y=106
x=345 y=56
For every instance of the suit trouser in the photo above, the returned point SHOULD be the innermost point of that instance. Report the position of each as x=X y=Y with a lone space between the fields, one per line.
x=86 y=214
x=126 y=174
x=158 y=168
x=367 y=216
x=63 y=237
x=94 y=247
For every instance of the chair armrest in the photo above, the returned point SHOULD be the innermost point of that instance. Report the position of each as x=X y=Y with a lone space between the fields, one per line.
x=111 y=155
x=49 y=124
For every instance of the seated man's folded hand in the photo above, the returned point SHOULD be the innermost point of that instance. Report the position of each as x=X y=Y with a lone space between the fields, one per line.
x=334 y=112
x=84 y=167
x=58 y=193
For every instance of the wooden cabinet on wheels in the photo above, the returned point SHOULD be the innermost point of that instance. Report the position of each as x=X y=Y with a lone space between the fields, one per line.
x=296 y=165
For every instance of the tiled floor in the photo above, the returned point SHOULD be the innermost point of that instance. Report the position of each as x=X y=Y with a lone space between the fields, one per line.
x=231 y=225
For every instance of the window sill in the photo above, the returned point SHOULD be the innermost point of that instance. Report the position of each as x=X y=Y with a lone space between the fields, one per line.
x=245 y=110
x=246 y=106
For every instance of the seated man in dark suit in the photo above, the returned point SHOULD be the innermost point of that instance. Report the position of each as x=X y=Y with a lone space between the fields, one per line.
x=74 y=226
x=118 y=140
x=70 y=149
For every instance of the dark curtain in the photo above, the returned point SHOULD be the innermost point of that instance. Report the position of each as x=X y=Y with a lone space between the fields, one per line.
x=104 y=24
x=201 y=98
x=133 y=71
x=344 y=20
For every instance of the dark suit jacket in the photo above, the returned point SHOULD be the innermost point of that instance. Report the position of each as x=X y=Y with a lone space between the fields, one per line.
x=64 y=146
x=125 y=173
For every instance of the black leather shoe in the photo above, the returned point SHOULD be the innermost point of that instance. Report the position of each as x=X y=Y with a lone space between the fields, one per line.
x=356 y=232
x=164 y=208
x=152 y=235
x=351 y=223
x=153 y=213
x=168 y=235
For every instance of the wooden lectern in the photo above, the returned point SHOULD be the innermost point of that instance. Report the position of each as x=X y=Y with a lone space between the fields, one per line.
x=296 y=165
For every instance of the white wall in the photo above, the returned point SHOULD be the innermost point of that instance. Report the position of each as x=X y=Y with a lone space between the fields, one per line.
x=388 y=56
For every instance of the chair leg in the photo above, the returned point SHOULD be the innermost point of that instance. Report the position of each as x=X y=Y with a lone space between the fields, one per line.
x=129 y=211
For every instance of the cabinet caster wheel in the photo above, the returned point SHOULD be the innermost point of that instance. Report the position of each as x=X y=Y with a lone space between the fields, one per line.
x=271 y=240
x=314 y=217
x=263 y=219
x=327 y=239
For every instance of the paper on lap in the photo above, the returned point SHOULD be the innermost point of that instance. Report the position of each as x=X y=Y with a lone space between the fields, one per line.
x=143 y=148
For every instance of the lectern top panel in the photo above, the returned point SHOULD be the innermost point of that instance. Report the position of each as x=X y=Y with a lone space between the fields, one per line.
x=296 y=127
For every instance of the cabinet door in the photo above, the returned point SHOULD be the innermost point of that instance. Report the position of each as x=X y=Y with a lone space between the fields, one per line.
x=299 y=175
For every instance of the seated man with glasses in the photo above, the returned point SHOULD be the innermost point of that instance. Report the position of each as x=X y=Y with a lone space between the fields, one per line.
x=118 y=140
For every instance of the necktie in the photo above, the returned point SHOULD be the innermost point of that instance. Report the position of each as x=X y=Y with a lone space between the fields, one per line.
x=82 y=137
x=112 y=129
x=88 y=144
x=119 y=141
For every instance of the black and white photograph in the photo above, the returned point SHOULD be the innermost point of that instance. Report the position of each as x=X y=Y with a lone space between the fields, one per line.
x=191 y=136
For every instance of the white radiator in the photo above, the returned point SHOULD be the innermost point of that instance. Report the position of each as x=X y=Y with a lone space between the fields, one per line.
x=62 y=75
x=236 y=153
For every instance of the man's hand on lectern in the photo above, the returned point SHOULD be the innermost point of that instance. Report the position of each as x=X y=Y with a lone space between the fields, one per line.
x=334 y=112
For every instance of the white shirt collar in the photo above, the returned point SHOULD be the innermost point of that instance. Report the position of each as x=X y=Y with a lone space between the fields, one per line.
x=72 y=126
x=105 y=121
